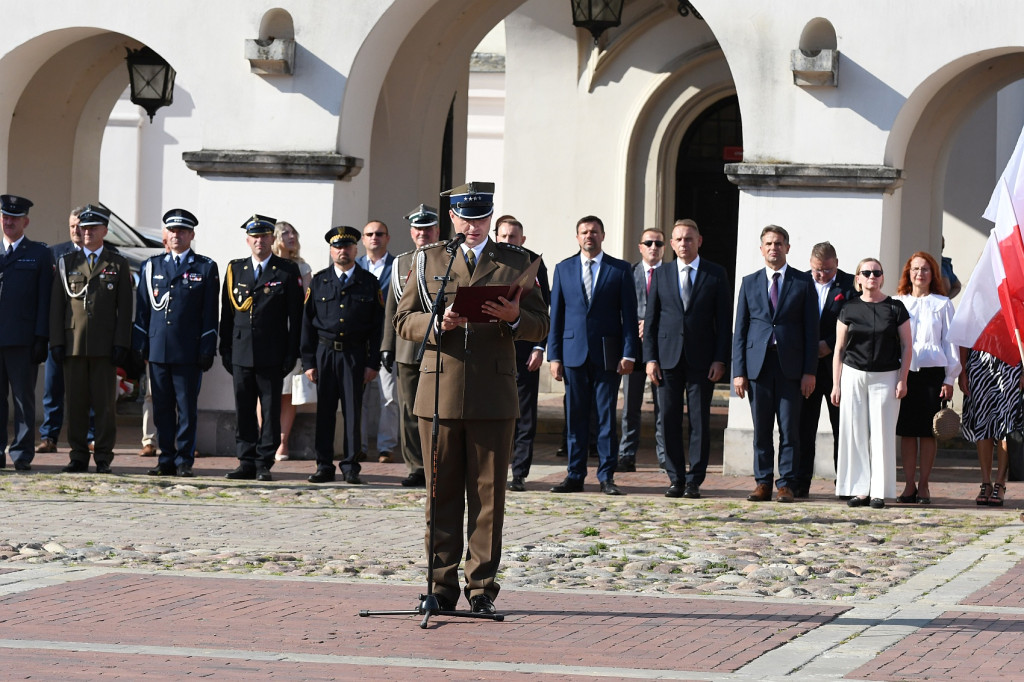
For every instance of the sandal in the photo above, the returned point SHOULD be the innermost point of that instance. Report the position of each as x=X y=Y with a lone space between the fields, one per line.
x=996 y=498
x=986 y=491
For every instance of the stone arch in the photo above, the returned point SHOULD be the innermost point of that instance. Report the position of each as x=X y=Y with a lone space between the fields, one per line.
x=920 y=141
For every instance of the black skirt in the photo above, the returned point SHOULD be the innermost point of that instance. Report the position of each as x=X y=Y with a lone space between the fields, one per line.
x=918 y=407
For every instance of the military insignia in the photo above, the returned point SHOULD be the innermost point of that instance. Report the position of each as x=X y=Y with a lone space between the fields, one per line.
x=110 y=285
x=307 y=297
x=266 y=290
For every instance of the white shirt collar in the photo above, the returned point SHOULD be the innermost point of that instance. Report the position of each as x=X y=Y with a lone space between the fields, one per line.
x=596 y=259
x=15 y=244
x=694 y=264
x=260 y=262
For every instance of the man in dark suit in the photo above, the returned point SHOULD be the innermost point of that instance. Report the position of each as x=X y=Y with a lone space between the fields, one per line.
x=380 y=394
x=26 y=282
x=91 y=334
x=477 y=405
x=398 y=354
x=529 y=356
x=833 y=288
x=260 y=313
x=652 y=250
x=775 y=357
x=342 y=323
x=593 y=342
x=686 y=347
x=176 y=333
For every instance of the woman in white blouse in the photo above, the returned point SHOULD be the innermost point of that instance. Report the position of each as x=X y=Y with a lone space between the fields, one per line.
x=933 y=370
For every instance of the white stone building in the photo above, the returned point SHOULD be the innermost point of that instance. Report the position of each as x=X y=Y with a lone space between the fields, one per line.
x=884 y=135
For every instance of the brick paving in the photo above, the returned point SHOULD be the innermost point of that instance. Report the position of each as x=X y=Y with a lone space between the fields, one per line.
x=1007 y=590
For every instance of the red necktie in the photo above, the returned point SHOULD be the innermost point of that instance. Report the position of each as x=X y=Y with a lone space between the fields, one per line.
x=650 y=271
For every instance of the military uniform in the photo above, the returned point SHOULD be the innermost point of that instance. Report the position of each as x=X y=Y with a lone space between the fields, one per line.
x=478 y=407
x=91 y=322
x=407 y=370
x=342 y=325
x=26 y=280
x=259 y=340
x=176 y=331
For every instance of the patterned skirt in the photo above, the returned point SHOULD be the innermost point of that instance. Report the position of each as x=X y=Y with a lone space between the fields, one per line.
x=992 y=408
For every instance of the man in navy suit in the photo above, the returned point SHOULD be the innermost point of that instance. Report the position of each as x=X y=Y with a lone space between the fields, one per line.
x=652 y=249
x=833 y=288
x=176 y=332
x=26 y=282
x=775 y=357
x=378 y=262
x=592 y=342
x=686 y=347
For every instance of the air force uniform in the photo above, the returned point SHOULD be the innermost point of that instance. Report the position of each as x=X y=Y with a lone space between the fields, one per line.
x=342 y=326
x=176 y=331
x=26 y=275
x=259 y=345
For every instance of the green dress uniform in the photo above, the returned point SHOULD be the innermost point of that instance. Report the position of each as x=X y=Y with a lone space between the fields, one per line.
x=477 y=410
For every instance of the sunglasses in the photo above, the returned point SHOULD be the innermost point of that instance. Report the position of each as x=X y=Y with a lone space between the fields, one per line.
x=654 y=242
x=871 y=273
x=375 y=234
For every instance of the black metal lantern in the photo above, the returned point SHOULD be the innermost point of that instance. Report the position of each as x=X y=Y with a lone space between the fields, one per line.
x=151 y=79
x=596 y=15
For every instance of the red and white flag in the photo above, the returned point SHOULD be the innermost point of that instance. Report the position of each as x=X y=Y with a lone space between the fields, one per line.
x=991 y=311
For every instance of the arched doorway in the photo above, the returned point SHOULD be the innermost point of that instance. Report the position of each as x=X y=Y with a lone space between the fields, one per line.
x=702 y=191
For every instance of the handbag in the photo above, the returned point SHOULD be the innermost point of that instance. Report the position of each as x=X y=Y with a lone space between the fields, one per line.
x=946 y=422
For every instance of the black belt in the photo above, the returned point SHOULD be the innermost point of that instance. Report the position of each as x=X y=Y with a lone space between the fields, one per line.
x=338 y=345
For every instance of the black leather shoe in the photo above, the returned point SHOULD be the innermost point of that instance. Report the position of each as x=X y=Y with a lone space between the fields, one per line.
x=75 y=467
x=242 y=473
x=568 y=486
x=185 y=471
x=857 y=502
x=625 y=464
x=263 y=474
x=444 y=603
x=674 y=490
x=322 y=476
x=691 y=492
x=161 y=471
x=801 y=492
x=481 y=603
x=517 y=484
x=22 y=466
x=415 y=480
x=353 y=478
x=609 y=488
x=103 y=469
x=877 y=503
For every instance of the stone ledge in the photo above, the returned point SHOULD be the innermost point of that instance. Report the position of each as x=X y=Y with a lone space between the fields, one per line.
x=246 y=163
x=855 y=177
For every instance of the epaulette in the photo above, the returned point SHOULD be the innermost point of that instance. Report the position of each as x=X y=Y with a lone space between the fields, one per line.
x=239 y=260
x=443 y=242
x=512 y=247
x=407 y=253
x=201 y=258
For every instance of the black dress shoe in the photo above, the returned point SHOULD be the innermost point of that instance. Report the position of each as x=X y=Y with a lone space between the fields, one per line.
x=609 y=488
x=568 y=486
x=161 y=471
x=263 y=474
x=801 y=492
x=481 y=603
x=322 y=476
x=353 y=478
x=626 y=464
x=103 y=469
x=75 y=467
x=22 y=466
x=416 y=479
x=517 y=484
x=857 y=502
x=185 y=471
x=691 y=492
x=242 y=473
x=444 y=603
x=674 y=490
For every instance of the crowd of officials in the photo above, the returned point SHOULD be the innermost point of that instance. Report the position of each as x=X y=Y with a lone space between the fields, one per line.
x=354 y=332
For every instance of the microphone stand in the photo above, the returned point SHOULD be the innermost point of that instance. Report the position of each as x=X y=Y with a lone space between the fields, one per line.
x=429 y=605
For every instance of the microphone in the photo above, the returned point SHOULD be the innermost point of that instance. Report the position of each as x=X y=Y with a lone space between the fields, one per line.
x=455 y=242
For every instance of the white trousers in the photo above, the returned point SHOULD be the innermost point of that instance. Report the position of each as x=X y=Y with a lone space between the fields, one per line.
x=868 y=410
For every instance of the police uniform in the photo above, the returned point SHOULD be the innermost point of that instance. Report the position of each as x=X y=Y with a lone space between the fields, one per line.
x=407 y=370
x=26 y=279
x=342 y=324
x=90 y=328
x=478 y=403
x=259 y=344
x=176 y=331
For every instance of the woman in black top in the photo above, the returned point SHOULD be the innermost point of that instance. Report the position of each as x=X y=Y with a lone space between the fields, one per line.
x=872 y=358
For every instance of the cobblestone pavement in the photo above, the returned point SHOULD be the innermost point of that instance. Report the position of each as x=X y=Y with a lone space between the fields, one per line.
x=874 y=580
